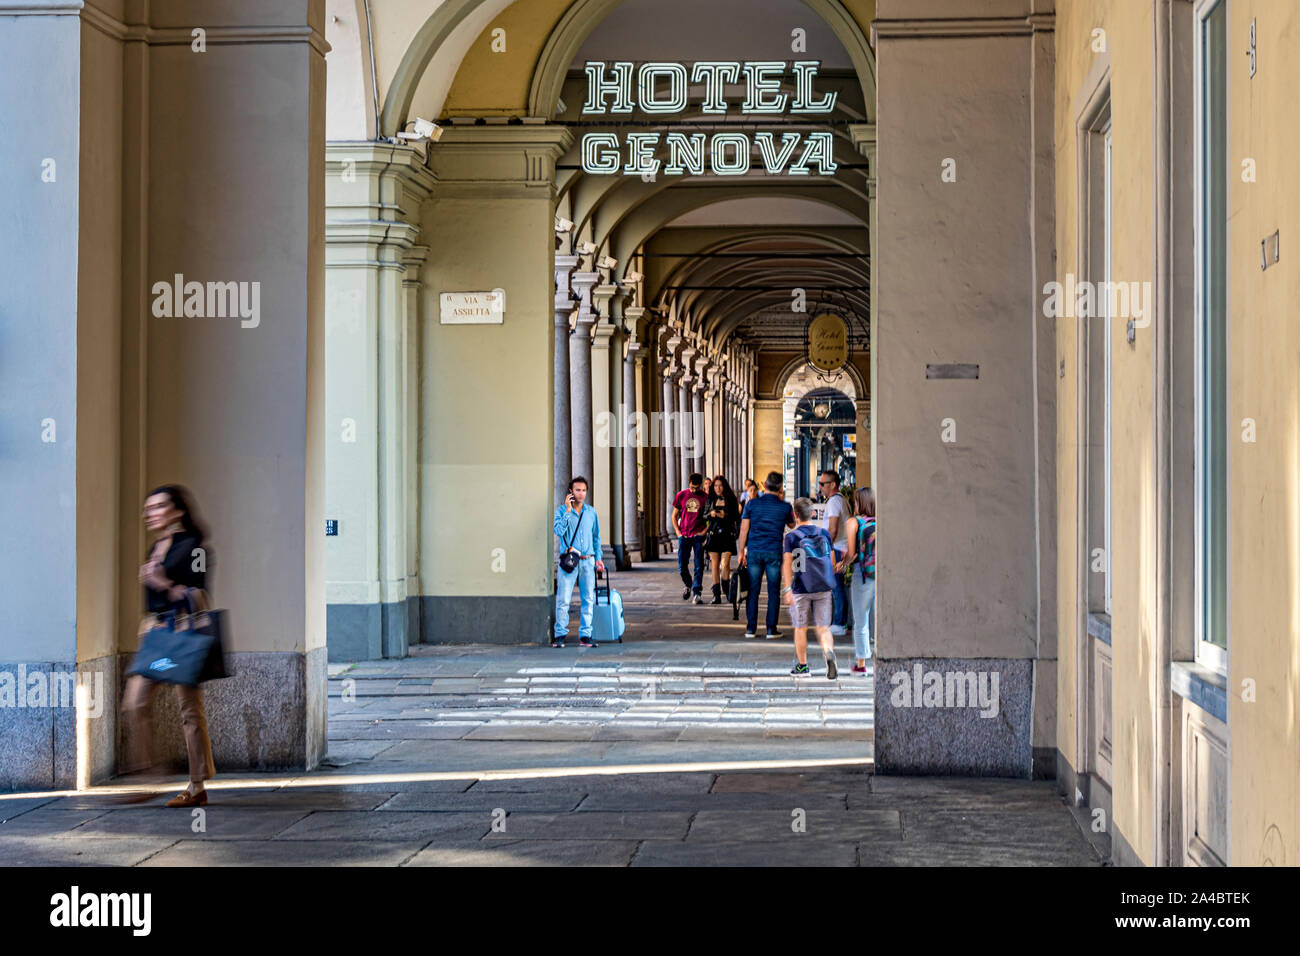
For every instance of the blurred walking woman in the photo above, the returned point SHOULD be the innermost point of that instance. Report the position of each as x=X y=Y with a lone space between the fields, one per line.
x=720 y=539
x=860 y=562
x=168 y=574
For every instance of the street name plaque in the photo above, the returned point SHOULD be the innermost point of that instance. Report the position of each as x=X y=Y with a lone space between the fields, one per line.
x=472 y=308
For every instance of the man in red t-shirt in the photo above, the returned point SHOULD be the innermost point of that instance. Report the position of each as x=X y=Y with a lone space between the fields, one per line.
x=689 y=519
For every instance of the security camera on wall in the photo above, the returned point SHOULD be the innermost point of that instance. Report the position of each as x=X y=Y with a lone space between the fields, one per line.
x=424 y=130
x=586 y=247
x=563 y=225
x=606 y=262
x=633 y=277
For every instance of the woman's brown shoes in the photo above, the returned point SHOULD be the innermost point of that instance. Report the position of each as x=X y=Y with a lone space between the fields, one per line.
x=187 y=799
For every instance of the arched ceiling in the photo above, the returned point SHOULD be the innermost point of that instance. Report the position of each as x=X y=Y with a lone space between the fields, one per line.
x=767 y=234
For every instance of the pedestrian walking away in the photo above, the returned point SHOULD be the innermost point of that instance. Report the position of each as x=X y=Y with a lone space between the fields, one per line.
x=762 y=524
x=578 y=528
x=807 y=583
x=690 y=520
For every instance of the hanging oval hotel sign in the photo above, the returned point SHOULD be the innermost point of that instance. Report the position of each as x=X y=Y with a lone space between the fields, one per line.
x=828 y=342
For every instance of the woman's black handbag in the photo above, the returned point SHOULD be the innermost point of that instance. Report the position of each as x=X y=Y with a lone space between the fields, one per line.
x=569 y=559
x=183 y=648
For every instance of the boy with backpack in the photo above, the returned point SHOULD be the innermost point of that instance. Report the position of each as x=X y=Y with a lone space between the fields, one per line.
x=807 y=586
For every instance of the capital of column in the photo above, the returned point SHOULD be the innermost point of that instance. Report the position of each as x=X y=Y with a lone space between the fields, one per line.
x=412 y=259
x=583 y=283
x=608 y=299
x=485 y=161
x=372 y=194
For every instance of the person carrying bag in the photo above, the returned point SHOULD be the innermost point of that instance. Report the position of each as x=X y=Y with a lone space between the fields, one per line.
x=180 y=642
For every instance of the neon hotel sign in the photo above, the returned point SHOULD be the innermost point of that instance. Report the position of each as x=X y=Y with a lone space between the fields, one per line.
x=662 y=90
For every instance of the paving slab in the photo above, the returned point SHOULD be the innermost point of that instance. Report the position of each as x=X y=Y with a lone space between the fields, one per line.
x=794 y=852
x=298 y=798
x=218 y=823
x=43 y=821
x=814 y=780
x=357 y=749
x=82 y=851
x=386 y=789
x=632 y=825
x=388 y=827
x=648 y=783
x=1048 y=827
x=952 y=854
x=555 y=801
x=843 y=826
x=12 y=806
x=284 y=853
x=527 y=853
x=631 y=799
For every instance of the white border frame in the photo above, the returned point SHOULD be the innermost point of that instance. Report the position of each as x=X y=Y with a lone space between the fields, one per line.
x=1208 y=654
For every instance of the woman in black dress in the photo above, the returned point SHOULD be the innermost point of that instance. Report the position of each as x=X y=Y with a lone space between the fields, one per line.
x=176 y=564
x=721 y=533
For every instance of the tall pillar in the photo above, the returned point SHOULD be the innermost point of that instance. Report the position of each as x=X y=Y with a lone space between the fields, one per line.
x=734 y=471
x=564 y=266
x=372 y=282
x=606 y=389
x=97 y=410
x=686 y=419
x=926 y=587
x=700 y=439
x=865 y=465
x=489 y=389
x=670 y=450
x=580 y=377
x=633 y=438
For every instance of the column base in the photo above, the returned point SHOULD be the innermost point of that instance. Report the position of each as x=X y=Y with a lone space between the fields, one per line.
x=481 y=619
x=38 y=722
x=271 y=715
x=927 y=722
x=367 y=632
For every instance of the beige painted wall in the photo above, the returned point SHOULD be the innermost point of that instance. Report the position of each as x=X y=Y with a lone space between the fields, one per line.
x=486 y=400
x=946 y=296
x=767 y=445
x=98 y=350
x=1264 y=477
x=229 y=407
x=1264 y=518
x=1130 y=40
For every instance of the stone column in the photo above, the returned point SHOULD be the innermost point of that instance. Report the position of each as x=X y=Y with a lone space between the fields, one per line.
x=632 y=436
x=685 y=419
x=564 y=266
x=700 y=440
x=864 y=464
x=97 y=410
x=669 y=451
x=580 y=377
x=864 y=138
x=733 y=456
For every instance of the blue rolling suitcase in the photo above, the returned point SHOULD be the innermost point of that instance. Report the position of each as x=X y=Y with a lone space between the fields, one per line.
x=607 y=623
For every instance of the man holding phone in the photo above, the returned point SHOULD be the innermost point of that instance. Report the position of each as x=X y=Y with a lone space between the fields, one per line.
x=578 y=529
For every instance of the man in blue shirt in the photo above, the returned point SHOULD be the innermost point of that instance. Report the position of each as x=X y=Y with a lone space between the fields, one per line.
x=762 y=526
x=578 y=529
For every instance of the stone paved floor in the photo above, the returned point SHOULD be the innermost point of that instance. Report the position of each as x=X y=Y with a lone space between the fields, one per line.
x=685 y=745
x=684 y=687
